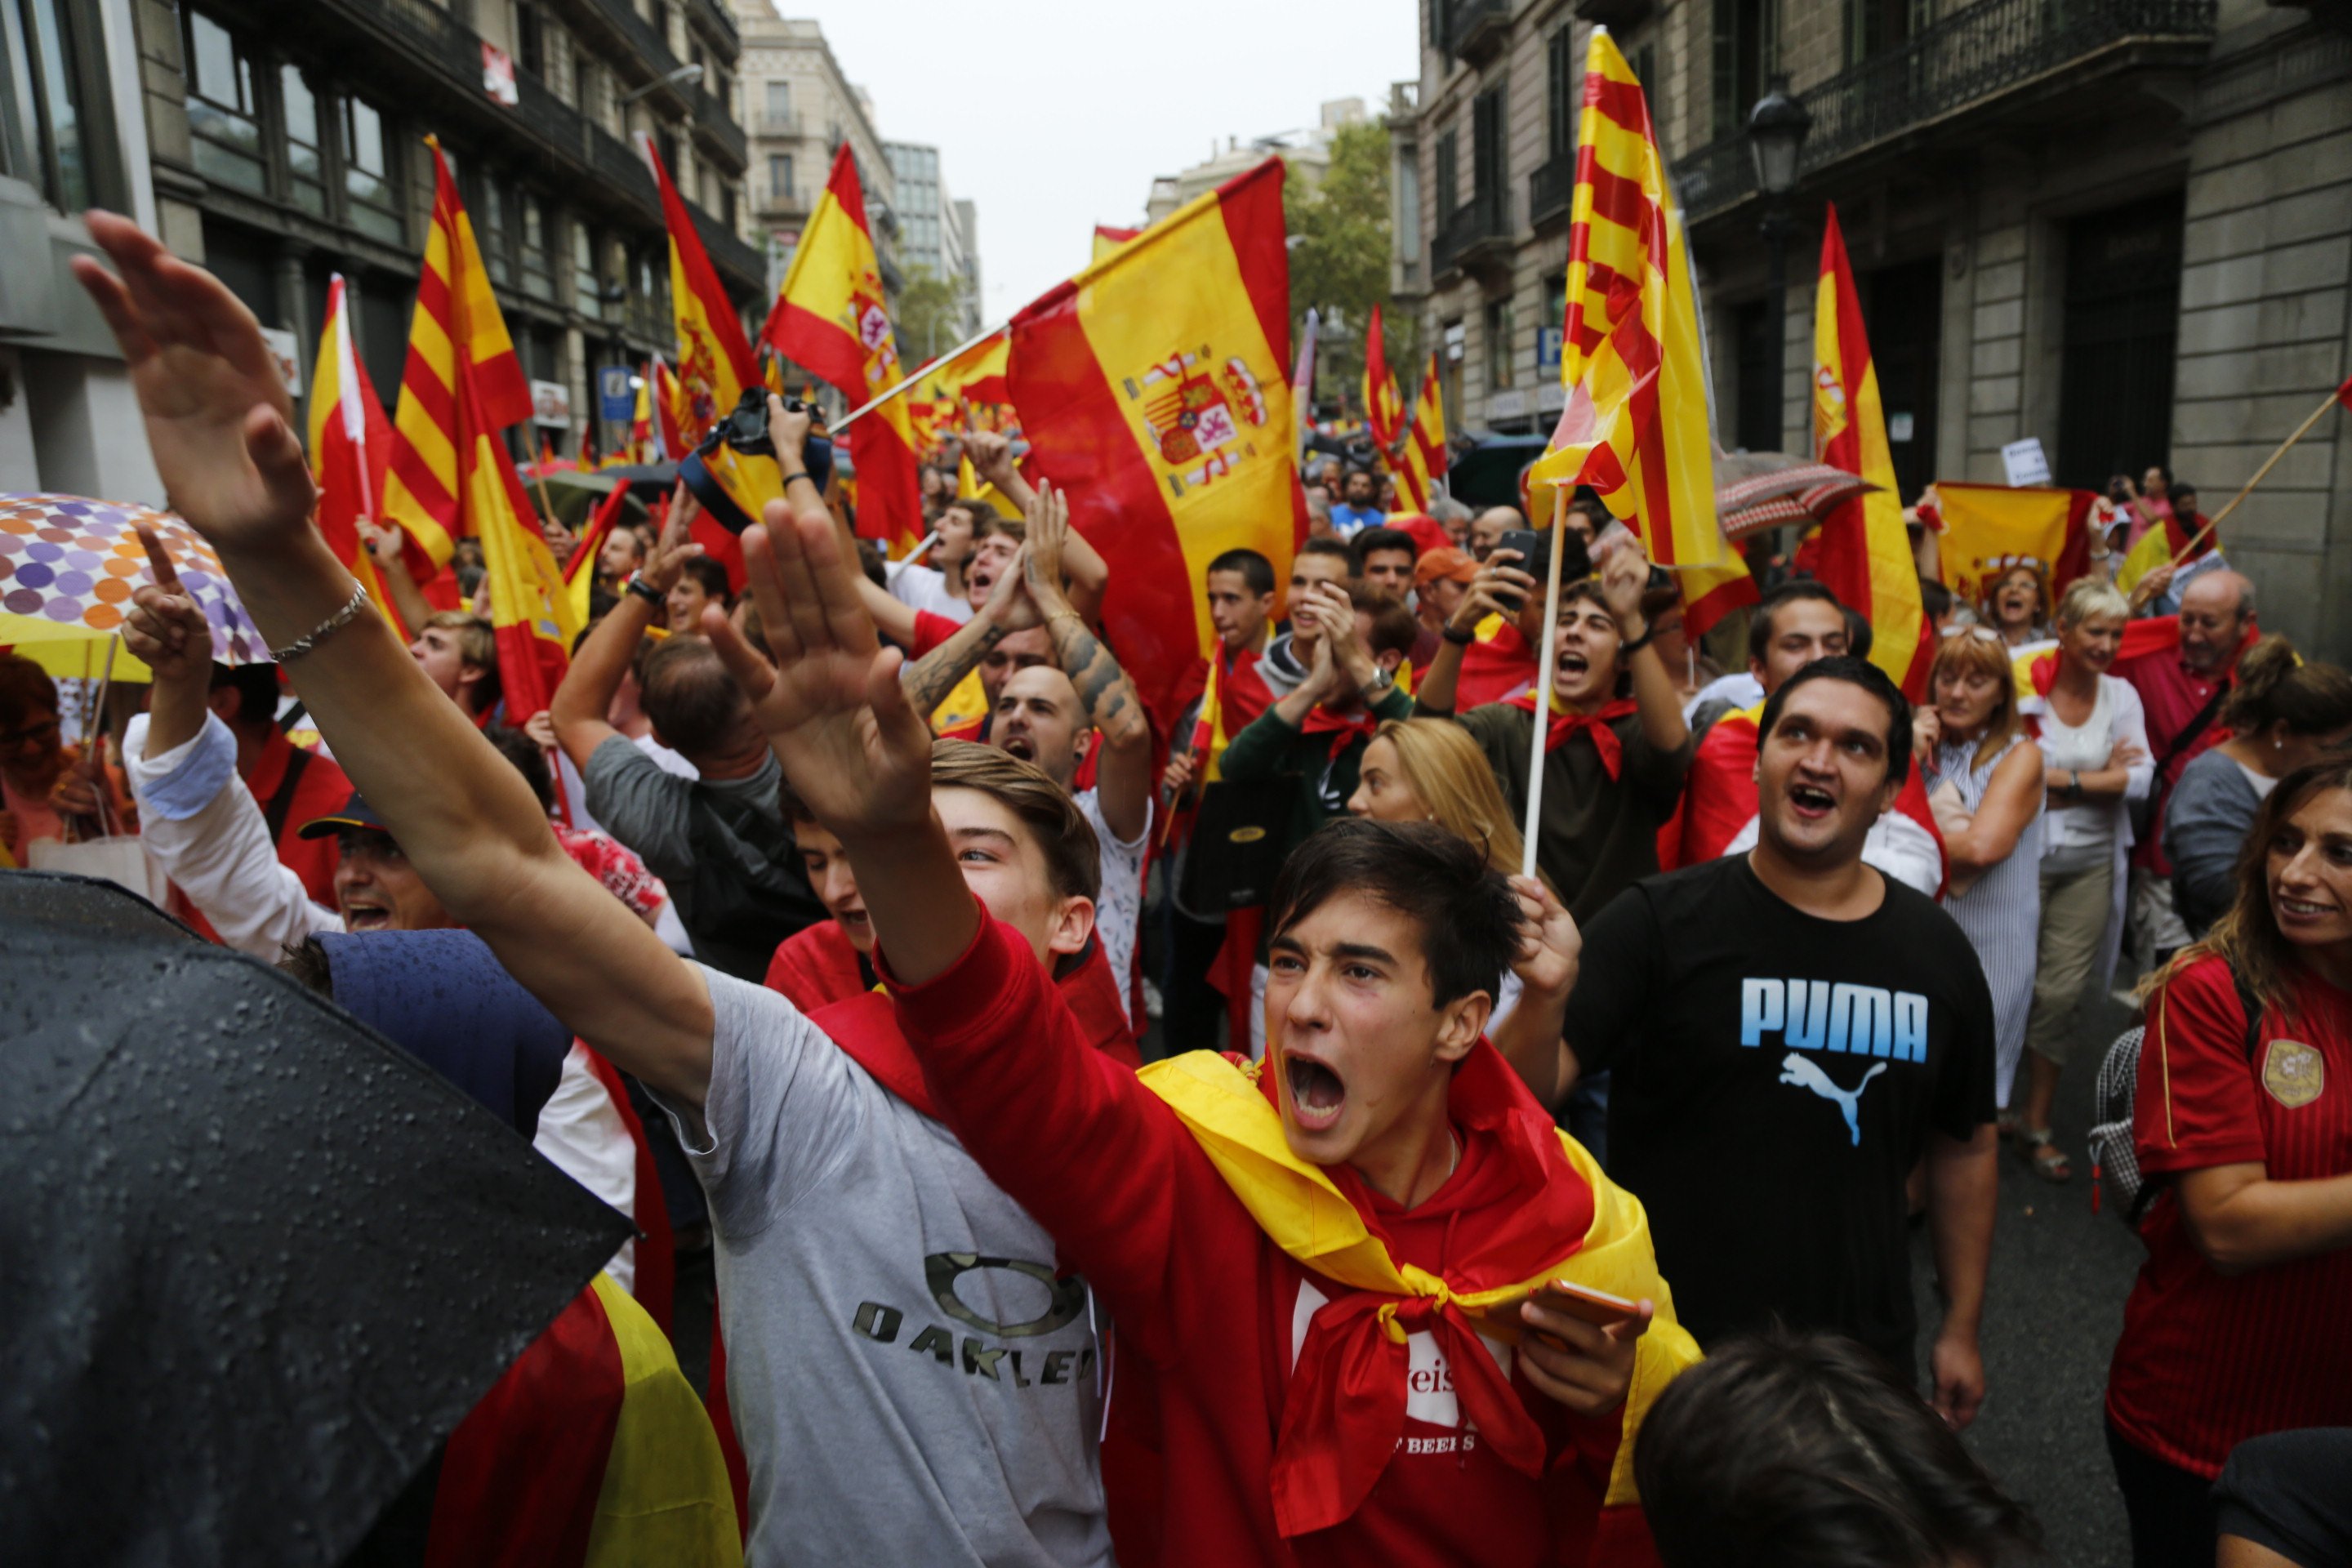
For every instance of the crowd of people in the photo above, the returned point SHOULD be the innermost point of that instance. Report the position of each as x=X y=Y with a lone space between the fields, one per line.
x=1198 y=1141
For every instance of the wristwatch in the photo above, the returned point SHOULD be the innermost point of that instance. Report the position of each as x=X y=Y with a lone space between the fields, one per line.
x=1381 y=681
x=644 y=590
x=1461 y=638
x=1637 y=645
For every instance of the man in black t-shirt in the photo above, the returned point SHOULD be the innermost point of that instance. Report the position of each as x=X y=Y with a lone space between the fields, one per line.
x=1789 y=1031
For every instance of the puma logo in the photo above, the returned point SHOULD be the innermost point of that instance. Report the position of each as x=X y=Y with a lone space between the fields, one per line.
x=1800 y=1070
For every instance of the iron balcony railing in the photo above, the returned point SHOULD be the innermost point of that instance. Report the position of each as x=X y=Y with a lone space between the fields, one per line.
x=1475 y=26
x=1552 y=188
x=1975 y=54
x=717 y=123
x=1477 y=224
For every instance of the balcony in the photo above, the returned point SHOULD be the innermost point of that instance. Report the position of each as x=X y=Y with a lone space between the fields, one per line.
x=1995 y=52
x=714 y=122
x=1551 y=190
x=720 y=25
x=1476 y=29
x=784 y=123
x=622 y=171
x=1477 y=238
x=1616 y=14
x=639 y=37
x=773 y=201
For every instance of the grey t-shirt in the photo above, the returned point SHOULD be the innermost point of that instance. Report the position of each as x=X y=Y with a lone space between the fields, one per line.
x=645 y=807
x=911 y=1383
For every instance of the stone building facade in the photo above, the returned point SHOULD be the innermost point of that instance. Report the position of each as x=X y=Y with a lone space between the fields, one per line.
x=799 y=107
x=2121 y=226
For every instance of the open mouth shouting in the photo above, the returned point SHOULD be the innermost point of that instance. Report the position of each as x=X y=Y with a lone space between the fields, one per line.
x=1812 y=802
x=1317 y=1093
x=1021 y=746
x=364 y=912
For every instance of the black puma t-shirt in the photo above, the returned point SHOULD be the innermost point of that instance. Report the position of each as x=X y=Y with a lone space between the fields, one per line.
x=1774 y=1079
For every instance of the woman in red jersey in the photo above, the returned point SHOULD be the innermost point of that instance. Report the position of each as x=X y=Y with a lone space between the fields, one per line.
x=2236 y=1325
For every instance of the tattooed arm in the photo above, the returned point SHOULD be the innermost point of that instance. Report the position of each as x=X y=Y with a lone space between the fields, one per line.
x=1123 y=766
x=930 y=679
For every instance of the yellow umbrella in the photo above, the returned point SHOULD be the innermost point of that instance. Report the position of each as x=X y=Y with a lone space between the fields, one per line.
x=68 y=566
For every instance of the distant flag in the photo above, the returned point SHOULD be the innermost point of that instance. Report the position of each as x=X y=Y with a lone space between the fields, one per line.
x=531 y=610
x=456 y=327
x=1108 y=239
x=2160 y=544
x=1423 y=462
x=1861 y=552
x=1150 y=388
x=1989 y=530
x=1384 y=408
x=580 y=571
x=351 y=445
x=641 y=419
x=1302 y=378
x=829 y=316
x=964 y=388
x=714 y=360
x=673 y=414
x=1635 y=424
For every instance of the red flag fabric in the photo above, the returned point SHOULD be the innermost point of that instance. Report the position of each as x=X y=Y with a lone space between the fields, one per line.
x=714 y=358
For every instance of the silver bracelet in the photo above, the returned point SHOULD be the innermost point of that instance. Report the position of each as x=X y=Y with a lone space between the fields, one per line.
x=324 y=629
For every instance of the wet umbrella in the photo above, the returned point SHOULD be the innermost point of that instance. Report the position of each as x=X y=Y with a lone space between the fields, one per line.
x=258 y=1261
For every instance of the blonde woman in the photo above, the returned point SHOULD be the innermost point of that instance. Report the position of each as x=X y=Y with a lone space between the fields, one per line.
x=1427 y=769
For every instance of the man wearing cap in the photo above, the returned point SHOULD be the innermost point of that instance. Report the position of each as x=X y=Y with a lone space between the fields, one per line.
x=1440 y=578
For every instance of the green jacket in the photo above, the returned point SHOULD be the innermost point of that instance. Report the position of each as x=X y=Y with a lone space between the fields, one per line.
x=1268 y=748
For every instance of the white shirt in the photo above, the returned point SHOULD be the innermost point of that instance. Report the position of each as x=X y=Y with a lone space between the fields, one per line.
x=1118 y=907
x=2116 y=717
x=924 y=588
x=1741 y=689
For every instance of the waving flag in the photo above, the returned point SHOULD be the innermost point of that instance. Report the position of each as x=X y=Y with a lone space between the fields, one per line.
x=1302 y=378
x=714 y=360
x=1990 y=529
x=1108 y=239
x=829 y=316
x=1862 y=554
x=456 y=328
x=1635 y=425
x=1383 y=408
x=1152 y=388
x=1423 y=459
x=530 y=609
x=2161 y=544
x=351 y=445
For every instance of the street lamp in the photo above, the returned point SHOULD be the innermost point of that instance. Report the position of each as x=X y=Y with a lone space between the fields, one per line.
x=1776 y=132
x=678 y=78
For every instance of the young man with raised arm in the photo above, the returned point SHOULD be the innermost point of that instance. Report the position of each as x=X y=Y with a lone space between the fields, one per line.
x=913 y=1380
x=1300 y=1266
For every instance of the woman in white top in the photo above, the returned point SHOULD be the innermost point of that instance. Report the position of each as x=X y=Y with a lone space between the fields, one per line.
x=2094 y=738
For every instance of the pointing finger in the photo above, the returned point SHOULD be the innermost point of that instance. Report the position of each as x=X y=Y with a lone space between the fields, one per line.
x=159 y=560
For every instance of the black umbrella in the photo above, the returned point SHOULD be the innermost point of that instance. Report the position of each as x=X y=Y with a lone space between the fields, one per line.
x=258 y=1262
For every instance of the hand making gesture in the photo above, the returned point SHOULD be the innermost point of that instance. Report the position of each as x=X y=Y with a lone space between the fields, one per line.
x=1048 y=534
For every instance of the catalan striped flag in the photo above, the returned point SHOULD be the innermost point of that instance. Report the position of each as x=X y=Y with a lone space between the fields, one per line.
x=351 y=447
x=456 y=327
x=530 y=608
x=1384 y=408
x=829 y=316
x=714 y=359
x=1153 y=389
x=1635 y=425
x=1423 y=461
x=1861 y=552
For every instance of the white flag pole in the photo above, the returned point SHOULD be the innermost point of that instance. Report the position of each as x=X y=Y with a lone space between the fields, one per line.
x=1543 y=683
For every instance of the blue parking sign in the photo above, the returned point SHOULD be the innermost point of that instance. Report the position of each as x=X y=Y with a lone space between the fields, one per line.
x=616 y=399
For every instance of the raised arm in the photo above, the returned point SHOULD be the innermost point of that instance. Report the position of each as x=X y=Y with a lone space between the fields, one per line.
x=408 y=600
x=217 y=420
x=1660 y=706
x=580 y=705
x=169 y=634
x=933 y=677
x=1499 y=589
x=2010 y=800
x=1529 y=1036
x=1123 y=766
x=1083 y=567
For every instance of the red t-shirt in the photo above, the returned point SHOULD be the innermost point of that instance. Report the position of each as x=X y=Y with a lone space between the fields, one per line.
x=2172 y=695
x=1212 y=1314
x=932 y=630
x=2207 y=1360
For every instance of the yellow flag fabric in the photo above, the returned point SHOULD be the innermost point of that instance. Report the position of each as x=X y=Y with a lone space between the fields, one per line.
x=1306 y=1215
x=665 y=1497
x=2154 y=549
x=1989 y=529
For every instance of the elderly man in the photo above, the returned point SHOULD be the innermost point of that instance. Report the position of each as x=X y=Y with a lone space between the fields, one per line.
x=1487 y=530
x=2182 y=685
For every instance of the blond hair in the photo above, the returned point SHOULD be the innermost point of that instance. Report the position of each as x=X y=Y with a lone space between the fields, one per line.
x=1450 y=775
x=1073 y=854
x=1968 y=653
x=2090 y=599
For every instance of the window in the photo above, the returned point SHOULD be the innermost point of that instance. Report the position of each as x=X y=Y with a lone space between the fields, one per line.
x=1449 y=176
x=780 y=177
x=538 y=265
x=492 y=233
x=587 y=87
x=727 y=207
x=221 y=110
x=530 y=40
x=1563 y=96
x=1500 y=347
x=1488 y=172
x=587 y=288
x=367 y=175
x=61 y=137
x=1745 y=44
x=778 y=108
x=305 y=163
x=1407 y=206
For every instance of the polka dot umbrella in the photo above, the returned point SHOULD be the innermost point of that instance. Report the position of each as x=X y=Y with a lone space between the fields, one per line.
x=68 y=566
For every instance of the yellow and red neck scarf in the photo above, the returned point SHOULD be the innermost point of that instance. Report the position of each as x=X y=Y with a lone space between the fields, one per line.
x=1345 y=1406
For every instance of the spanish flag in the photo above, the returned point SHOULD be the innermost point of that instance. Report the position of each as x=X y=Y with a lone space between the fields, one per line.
x=351 y=447
x=1153 y=389
x=829 y=316
x=1635 y=425
x=1383 y=408
x=456 y=327
x=530 y=608
x=672 y=412
x=1108 y=239
x=963 y=389
x=1991 y=529
x=2161 y=545
x=714 y=361
x=1423 y=462
x=1862 y=554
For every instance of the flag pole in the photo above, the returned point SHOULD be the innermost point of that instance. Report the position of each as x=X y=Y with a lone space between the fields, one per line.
x=2302 y=430
x=881 y=397
x=1536 y=750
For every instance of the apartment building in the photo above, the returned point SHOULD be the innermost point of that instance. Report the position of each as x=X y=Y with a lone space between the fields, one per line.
x=800 y=108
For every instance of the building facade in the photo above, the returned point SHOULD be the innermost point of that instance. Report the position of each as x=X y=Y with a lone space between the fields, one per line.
x=799 y=108
x=931 y=237
x=71 y=137
x=1306 y=151
x=2123 y=228
x=280 y=160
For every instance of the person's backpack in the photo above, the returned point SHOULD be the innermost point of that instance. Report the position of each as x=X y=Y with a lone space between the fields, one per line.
x=750 y=889
x=2114 y=1156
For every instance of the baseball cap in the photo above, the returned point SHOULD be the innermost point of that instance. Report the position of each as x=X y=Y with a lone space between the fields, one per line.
x=1447 y=565
x=356 y=813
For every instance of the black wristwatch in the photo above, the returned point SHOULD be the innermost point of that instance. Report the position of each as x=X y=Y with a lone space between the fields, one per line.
x=644 y=590
x=1460 y=639
x=1648 y=631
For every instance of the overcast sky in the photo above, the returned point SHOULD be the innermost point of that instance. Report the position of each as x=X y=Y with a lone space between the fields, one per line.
x=1054 y=115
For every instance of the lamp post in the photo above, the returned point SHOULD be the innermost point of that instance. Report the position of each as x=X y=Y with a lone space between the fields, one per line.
x=1776 y=134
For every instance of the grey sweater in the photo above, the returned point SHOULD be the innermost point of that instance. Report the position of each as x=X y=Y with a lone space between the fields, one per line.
x=2205 y=825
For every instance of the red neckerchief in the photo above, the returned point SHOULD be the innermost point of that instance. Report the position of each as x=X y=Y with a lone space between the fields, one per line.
x=1604 y=738
x=1340 y=727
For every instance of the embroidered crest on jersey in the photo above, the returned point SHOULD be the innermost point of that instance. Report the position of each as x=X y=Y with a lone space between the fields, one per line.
x=2294 y=1073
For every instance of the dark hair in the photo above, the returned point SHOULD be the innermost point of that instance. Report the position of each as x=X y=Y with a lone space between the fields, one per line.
x=712 y=576
x=1373 y=538
x=1340 y=548
x=528 y=759
x=305 y=961
x=869 y=561
x=1760 y=620
x=2175 y=489
x=1257 y=570
x=1389 y=626
x=1073 y=853
x=2160 y=469
x=689 y=695
x=1786 y=1450
x=26 y=689
x=1858 y=636
x=2275 y=686
x=1935 y=599
x=477 y=645
x=1469 y=918
x=973 y=507
x=255 y=686
x=1853 y=671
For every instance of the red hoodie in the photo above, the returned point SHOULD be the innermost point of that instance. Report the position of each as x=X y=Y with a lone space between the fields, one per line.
x=1212 y=1314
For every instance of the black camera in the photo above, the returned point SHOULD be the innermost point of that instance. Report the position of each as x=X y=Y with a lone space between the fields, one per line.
x=734 y=473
